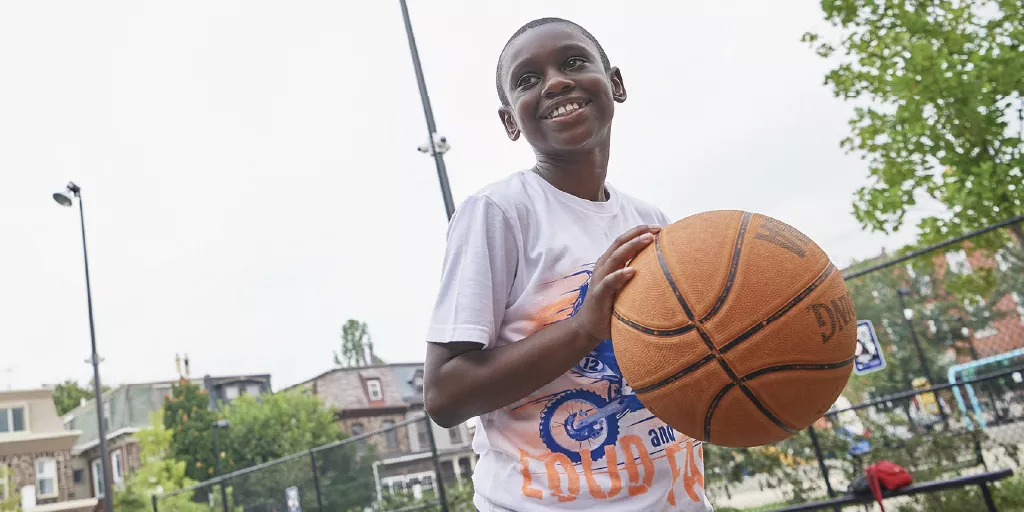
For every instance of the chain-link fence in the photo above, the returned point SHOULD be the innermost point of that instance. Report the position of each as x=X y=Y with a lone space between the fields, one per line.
x=948 y=321
x=394 y=468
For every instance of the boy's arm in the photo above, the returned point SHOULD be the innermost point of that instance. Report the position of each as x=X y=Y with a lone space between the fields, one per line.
x=461 y=380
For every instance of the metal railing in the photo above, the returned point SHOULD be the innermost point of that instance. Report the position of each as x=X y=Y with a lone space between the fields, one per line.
x=396 y=468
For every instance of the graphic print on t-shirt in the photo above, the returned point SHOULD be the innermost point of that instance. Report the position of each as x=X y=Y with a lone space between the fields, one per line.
x=592 y=424
x=584 y=418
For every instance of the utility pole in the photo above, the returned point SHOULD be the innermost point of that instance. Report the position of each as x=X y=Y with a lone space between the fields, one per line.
x=436 y=145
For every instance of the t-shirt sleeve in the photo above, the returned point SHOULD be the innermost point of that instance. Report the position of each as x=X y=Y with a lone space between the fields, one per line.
x=477 y=275
x=663 y=220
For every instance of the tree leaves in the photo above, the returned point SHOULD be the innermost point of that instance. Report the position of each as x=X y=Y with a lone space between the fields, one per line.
x=942 y=80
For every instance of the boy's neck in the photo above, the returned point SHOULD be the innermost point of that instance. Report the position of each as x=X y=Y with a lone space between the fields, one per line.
x=581 y=174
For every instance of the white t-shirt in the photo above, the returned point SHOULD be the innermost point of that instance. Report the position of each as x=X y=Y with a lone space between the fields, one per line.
x=519 y=257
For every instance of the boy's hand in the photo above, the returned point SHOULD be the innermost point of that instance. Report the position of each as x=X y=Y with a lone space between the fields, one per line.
x=594 y=318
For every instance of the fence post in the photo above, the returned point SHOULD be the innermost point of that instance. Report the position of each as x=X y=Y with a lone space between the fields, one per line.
x=437 y=463
x=316 y=482
x=821 y=461
x=154 y=503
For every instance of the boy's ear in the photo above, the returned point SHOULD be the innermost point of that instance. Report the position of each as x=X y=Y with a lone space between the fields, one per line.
x=618 y=87
x=509 y=122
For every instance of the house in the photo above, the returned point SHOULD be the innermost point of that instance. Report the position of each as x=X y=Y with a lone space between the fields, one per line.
x=128 y=409
x=370 y=398
x=35 y=454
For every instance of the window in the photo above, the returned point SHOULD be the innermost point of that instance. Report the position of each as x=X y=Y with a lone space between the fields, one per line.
x=1003 y=261
x=374 y=389
x=12 y=419
x=106 y=416
x=5 y=482
x=417 y=380
x=390 y=436
x=422 y=437
x=1019 y=302
x=357 y=430
x=46 y=478
x=79 y=476
x=252 y=389
x=455 y=435
x=231 y=392
x=957 y=261
x=97 y=478
x=117 y=466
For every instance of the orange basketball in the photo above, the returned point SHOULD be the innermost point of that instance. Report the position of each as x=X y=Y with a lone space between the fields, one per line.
x=736 y=330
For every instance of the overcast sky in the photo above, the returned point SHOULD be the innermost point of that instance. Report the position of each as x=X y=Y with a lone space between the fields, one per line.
x=251 y=179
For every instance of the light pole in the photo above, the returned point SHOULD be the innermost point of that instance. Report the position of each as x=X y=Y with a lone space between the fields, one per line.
x=216 y=452
x=436 y=145
x=901 y=293
x=64 y=199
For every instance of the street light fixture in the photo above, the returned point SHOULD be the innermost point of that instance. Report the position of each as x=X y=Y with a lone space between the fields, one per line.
x=64 y=199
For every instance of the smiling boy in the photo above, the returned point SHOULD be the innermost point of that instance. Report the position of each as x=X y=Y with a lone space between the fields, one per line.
x=520 y=333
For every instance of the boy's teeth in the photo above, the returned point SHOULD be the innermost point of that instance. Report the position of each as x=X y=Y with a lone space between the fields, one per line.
x=564 y=109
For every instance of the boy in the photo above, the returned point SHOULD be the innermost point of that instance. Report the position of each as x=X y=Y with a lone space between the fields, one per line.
x=520 y=333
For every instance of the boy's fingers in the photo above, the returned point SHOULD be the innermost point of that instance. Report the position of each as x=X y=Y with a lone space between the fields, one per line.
x=626 y=238
x=623 y=254
x=615 y=281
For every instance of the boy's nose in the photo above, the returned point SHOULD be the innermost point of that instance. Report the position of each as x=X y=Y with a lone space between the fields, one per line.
x=557 y=85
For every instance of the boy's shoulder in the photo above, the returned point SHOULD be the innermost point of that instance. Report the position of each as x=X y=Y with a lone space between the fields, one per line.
x=519 y=193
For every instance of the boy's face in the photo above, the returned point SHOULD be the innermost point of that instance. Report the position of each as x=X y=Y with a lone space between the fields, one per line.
x=552 y=67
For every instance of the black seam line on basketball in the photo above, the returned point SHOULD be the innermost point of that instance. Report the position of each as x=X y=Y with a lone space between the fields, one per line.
x=668 y=277
x=782 y=311
x=746 y=391
x=764 y=371
x=746 y=335
x=676 y=376
x=737 y=248
x=660 y=333
x=711 y=344
x=711 y=410
x=796 y=367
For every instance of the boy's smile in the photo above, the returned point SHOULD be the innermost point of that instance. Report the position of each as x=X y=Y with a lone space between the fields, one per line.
x=561 y=97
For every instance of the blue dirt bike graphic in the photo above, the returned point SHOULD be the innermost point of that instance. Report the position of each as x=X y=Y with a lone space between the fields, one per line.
x=579 y=419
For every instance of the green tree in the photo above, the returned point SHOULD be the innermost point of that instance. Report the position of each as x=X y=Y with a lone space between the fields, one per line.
x=160 y=473
x=267 y=428
x=356 y=346
x=188 y=417
x=69 y=394
x=941 y=111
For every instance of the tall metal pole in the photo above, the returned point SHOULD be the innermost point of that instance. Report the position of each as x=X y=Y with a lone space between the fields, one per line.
x=441 y=494
x=442 y=172
x=108 y=492
x=901 y=292
x=216 y=449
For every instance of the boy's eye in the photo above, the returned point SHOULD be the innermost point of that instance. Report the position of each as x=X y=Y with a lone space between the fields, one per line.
x=526 y=81
x=574 y=62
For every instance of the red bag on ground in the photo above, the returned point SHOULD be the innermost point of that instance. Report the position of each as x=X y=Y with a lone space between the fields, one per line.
x=886 y=475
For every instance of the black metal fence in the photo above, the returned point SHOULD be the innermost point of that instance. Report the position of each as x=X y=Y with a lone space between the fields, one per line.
x=949 y=400
x=394 y=468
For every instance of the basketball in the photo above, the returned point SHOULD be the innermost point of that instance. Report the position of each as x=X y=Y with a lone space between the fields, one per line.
x=736 y=329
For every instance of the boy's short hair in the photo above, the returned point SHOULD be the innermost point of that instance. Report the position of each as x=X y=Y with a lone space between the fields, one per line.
x=534 y=24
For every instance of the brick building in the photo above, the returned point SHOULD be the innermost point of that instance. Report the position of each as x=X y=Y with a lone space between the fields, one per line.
x=370 y=398
x=35 y=454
